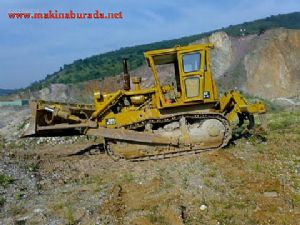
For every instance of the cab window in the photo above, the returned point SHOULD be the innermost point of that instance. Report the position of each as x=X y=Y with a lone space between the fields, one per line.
x=191 y=62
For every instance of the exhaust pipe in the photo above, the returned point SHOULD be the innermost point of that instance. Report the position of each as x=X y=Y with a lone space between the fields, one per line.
x=126 y=76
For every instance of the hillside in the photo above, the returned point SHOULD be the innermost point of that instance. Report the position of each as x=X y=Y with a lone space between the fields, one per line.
x=108 y=64
x=263 y=66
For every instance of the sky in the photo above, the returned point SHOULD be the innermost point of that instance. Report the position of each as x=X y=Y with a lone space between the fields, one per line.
x=31 y=49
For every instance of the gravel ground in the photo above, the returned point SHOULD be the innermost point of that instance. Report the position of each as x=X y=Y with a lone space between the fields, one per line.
x=62 y=181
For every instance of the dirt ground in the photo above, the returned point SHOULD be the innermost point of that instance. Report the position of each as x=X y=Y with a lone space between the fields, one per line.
x=251 y=182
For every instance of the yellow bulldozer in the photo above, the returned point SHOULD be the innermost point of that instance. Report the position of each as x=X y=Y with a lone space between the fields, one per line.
x=178 y=115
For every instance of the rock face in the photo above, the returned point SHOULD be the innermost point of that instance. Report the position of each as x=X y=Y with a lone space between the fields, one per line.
x=222 y=54
x=55 y=92
x=266 y=66
x=273 y=67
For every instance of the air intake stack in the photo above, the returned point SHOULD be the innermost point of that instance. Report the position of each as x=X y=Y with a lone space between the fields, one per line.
x=126 y=76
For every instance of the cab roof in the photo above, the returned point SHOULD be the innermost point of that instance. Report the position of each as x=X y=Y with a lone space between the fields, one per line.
x=169 y=55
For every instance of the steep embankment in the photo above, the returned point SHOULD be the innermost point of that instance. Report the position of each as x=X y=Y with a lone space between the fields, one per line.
x=273 y=67
x=266 y=66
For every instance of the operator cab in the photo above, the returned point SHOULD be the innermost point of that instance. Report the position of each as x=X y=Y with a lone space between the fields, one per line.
x=190 y=79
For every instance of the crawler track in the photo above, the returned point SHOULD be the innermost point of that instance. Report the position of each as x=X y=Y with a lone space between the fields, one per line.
x=167 y=151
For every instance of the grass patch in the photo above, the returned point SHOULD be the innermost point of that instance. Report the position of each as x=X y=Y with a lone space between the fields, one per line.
x=156 y=219
x=93 y=180
x=260 y=148
x=212 y=172
x=16 y=209
x=2 y=201
x=127 y=178
x=154 y=216
x=5 y=180
x=283 y=121
x=257 y=167
x=57 y=206
x=22 y=125
x=168 y=181
x=69 y=214
x=32 y=167
x=20 y=195
x=65 y=210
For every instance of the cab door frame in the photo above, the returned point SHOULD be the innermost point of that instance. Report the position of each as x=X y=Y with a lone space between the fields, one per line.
x=184 y=76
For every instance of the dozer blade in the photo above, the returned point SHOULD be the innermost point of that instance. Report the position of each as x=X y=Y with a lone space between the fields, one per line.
x=31 y=130
x=47 y=120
